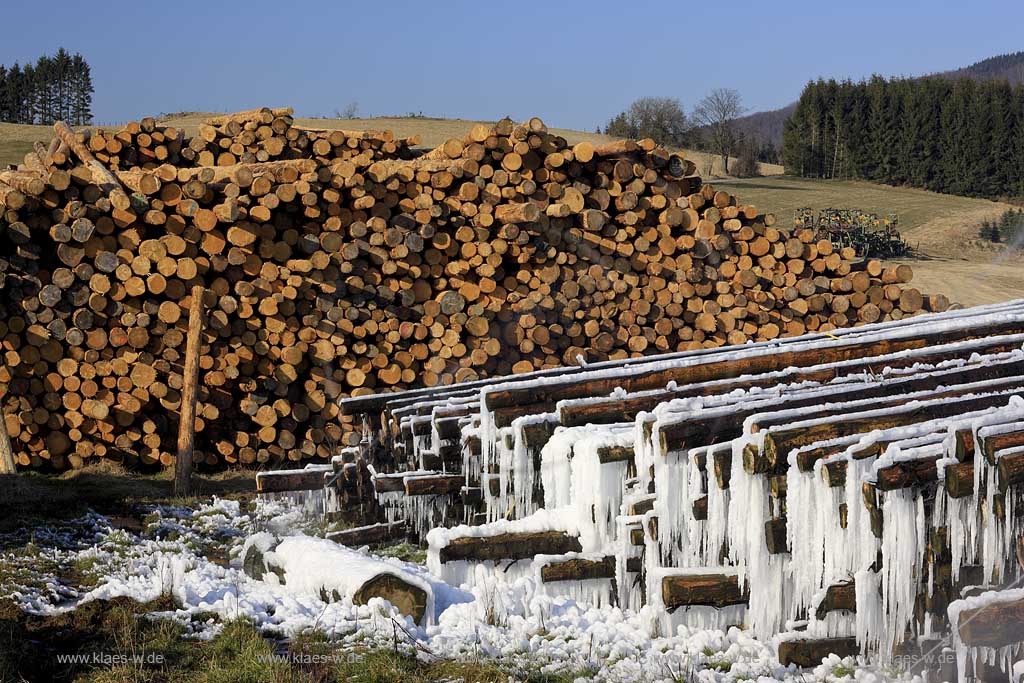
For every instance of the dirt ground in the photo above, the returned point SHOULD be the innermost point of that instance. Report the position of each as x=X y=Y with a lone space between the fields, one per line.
x=953 y=261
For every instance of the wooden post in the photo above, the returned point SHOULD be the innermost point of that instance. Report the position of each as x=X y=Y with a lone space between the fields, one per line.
x=187 y=420
x=7 y=465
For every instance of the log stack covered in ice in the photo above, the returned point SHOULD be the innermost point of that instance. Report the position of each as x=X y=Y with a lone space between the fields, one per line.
x=864 y=486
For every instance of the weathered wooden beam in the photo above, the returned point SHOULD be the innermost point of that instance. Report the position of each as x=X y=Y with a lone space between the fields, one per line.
x=994 y=625
x=510 y=546
x=642 y=506
x=997 y=442
x=433 y=484
x=609 y=454
x=775 y=535
x=907 y=473
x=722 y=466
x=959 y=480
x=711 y=590
x=728 y=424
x=779 y=442
x=700 y=508
x=370 y=534
x=614 y=409
x=280 y=481
x=472 y=495
x=809 y=652
x=578 y=569
x=761 y=360
x=1010 y=469
x=834 y=473
x=839 y=596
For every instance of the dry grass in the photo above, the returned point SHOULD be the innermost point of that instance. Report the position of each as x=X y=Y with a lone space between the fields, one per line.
x=784 y=195
x=16 y=140
x=105 y=487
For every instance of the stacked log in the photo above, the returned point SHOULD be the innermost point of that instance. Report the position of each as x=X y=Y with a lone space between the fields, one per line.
x=808 y=483
x=333 y=267
x=139 y=144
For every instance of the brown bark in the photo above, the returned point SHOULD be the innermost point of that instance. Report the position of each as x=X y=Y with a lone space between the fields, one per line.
x=510 y=546
x=713 y=590
x=809 y=653
x=578 y=569
x=187 y=416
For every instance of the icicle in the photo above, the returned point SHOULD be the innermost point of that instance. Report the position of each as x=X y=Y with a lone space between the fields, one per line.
x=762 y=571
x=903 y=539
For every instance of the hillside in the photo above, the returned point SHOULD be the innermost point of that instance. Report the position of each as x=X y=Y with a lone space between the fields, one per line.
x=767 y=125
x=17 y=139
x=1008 y=67
x=941 y=228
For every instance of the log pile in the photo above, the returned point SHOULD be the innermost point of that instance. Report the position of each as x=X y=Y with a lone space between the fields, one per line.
x=864 y=486
x=248 y=137
x=331 y=266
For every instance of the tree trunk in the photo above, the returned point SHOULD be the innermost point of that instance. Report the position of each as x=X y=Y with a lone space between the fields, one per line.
x=7 y=464
x=190 y=379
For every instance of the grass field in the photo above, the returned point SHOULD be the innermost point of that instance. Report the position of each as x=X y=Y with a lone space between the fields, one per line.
x=943 y=230
x=15 y=139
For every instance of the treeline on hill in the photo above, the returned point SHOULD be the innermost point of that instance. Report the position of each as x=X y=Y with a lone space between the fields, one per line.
x=709 y=128
x=957 y=136
x=57 y=88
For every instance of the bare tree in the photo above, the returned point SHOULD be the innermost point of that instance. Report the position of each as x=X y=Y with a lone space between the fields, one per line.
x=350 y=111
x=717 y=113
x=660 y=118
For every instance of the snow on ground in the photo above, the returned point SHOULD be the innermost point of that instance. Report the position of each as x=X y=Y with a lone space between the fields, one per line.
x=195 y=556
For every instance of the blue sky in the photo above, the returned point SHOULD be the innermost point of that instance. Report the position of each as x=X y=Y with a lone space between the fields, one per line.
x=573 y=63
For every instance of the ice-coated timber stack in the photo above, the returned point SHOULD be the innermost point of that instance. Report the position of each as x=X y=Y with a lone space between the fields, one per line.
x=333 y=265
x=852 y=492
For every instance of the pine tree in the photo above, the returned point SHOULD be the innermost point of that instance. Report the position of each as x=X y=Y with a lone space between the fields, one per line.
x=1001 y=163
x=5 y=106
x=12 y=94
x=1018 y=144
x=82 y=91
x=44 y=92
x=796 y=136
x=62 y=76
x=883 y=117
x=981 y=120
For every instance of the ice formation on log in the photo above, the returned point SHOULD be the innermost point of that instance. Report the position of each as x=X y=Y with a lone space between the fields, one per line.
x=838 y=489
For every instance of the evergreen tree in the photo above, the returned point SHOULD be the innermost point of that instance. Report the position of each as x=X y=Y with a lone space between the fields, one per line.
x=883 y=118
x=53 y=88
x=13 y=94
x=1000 y=166
x=5 y=107
x=796 y=136
x=955 y=118
x=958 y=136
x=1018 y=144
x=621 y=127
x=81 y=98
